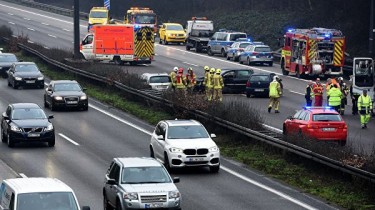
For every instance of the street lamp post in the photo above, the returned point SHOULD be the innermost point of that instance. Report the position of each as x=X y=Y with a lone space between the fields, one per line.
x=76 y=30
x=371 y=31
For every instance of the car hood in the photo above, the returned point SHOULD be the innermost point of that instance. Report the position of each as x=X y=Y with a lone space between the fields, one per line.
x=69 y=93
x=28 y=74
x=149 y=188
x=175 y=32
x=192 y=143
x=31 y=123
x=6 y=64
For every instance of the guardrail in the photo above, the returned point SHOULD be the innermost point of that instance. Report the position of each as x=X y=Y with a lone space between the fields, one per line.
x=261 y=136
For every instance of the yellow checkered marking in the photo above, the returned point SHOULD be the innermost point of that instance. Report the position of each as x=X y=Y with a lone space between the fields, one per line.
x=338 y=53
x=144 y=47
x=313 y=49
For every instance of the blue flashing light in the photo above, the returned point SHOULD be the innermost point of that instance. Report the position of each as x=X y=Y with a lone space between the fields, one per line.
x=307 y=107
x=327 y=35
x=290 y=29
x=249 y=40
x=137 y=26
x=327 y=107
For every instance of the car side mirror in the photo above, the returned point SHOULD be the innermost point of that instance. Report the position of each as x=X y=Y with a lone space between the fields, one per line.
x=111 y=181
x=85 y=207
x=160 y=137
x=176 y=179
x=49 y=89
x=290 y=118
x=50 y=116
x=5 y=116
x=213 y=135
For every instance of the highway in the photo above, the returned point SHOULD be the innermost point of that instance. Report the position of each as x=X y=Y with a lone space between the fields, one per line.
x=86 y=142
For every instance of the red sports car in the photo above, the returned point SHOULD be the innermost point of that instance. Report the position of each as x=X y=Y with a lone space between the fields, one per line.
x=320 y=123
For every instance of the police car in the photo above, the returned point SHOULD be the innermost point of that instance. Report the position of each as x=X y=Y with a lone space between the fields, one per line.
x=234 y=51
x=222 y=40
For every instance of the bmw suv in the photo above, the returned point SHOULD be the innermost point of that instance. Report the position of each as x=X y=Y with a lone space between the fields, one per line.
x=222 y=40
x=184 y=143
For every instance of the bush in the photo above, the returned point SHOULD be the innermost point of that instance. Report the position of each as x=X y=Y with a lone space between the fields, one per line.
x=5 y=31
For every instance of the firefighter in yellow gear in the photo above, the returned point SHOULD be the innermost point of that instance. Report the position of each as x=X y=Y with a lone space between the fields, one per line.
x=209 y=84
x=172 y=75
x=364 y=108
x=275 y=93
x=206 y=73
x=218 y=85
x=180 y=80
x=190 y=80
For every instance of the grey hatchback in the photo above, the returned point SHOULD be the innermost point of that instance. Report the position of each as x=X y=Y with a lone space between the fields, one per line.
x=258 y=84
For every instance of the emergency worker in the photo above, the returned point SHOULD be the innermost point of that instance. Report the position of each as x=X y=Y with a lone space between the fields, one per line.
x=309 y=93
x=344 y=101
x=274 y=94
x=334 y=95
x=318 y=93
x=180 y=80
x=190 y=80
x=206 y=74
x=209 y=84
x=364 y=107
x=354 y=96
x=172 y=75
x=218 y=85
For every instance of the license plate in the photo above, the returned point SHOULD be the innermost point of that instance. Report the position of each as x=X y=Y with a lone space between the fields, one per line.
x=72 y=102
x=33 y=135
x=162 y=87
x=30 y=81
x=329 y=129
x=259 y=90
x=153 y=205
x=195 y=159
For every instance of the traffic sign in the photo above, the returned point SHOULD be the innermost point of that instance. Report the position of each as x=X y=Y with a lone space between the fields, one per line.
x=107 y=3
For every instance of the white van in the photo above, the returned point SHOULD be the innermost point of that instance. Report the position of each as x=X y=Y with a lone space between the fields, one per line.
x=37 y=194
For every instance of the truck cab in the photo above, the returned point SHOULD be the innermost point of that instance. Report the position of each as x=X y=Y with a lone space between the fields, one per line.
x=198 y=33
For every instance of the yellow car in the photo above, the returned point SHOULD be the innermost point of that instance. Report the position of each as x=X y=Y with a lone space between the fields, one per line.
x=172 y=33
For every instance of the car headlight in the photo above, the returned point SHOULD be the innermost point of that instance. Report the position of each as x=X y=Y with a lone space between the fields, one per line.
x=214 y=149
x=15 y=128
x=1 y=68
x=58 y=98
x=40 y=78
x=175 y=150
x=49 y=127
x=131 y=195
x=174 y=194
x=84 y=97
x=18 y=78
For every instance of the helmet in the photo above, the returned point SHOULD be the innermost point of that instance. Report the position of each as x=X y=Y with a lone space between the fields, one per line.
x=275 y=78
x=175 y=68
x=206 y=68
x=190 y=69
x=181 y=70
x=218 y=71
x=212 y=70
x=344 y=84
x=340 y=79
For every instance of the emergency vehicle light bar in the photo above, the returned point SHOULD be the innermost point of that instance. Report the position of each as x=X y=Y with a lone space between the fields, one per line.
x=316 y=107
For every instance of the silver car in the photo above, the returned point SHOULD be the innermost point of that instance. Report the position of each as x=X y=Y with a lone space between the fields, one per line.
x=157 y=81
x=139 y=183
x=256 y=54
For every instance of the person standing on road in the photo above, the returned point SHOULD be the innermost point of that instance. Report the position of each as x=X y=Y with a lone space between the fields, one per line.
x=365 y=107
x=172 y=75
x=354 y=96
x=191 y=80
x=274 y=94
x=334 y=95
x=218 y=85
x=344 y=101
x=209 y=84
x=318 y=93
x=309 y=93
x=206 y=75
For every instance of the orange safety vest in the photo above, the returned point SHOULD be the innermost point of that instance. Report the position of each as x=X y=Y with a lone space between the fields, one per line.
x=318 y=89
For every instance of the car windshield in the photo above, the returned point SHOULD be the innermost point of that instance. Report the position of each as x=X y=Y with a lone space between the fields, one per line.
x=8 y=58
x=234 y=37
x=175 y=27
x=262 y=78
x=47 y=200
x=67 y=87
x=26 y=68
x=26 y=113
x=244 y=45
x=98 y=14
x=187 y=132
x=139 y=175
x=160 y=79
x=145 y=19
x=326 y=117
x=262 y=49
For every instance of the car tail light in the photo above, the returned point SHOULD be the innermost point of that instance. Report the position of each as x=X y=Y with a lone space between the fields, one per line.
x=248 y=84
x=343 y=126
x=312 y=126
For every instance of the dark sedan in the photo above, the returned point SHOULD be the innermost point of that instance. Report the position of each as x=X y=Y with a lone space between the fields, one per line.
x=26 y=122
x=258 y=84
x=25 y=74
x=65 y=94
x=6 y=60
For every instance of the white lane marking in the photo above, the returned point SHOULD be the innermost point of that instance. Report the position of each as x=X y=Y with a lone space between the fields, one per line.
x=273 y=128
x=68 y=139
x=304 y=205
x=120 y=119
x=26 y=18
x=65 y=29
x=10 y=14
x=296 y=92
x=11 y=23
x=45 y=16
x=191 y=64
x=52 y=35
x=31 y=29
x=46 y=47
x=46 y=24
x=222 y=167
x=30 y=41
x=22 y=175
x=14 y=36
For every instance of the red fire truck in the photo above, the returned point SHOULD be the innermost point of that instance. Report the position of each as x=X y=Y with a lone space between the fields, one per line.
x=313 y=52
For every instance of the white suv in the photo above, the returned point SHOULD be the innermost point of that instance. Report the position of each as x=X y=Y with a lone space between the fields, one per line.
x=181 y=143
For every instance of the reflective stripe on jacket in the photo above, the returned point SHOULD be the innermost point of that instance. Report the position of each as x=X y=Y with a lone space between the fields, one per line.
x=318 y=89
x=275 y=89
x=180 y=81
x=191 y=80
x=218 y=81
x=334 y=96
x=209 y=82
x=172 y=75
x=364 y=101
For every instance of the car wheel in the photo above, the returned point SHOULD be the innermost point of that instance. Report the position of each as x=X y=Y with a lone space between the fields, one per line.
x=3 y=137
x=270 y=63
x=152 y=152
x=342 y=143
x=235 y=58
x=248 y=61
x=248 y=95
x=165 y=41
x=106 y=204
x=51 y=143
x=228 y=58
x=14 y=85
x=223 y=53
x=86 y=108
x=209 y=52
x=10 y=141
x=285 y=72
x=166 y=163
x=240 y=61
x=118 y=205
x=187 y=46
x=214 y=169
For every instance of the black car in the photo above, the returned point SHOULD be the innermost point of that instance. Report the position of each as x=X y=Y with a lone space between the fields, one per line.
x=6 y=60
x=26 y=122
x=65 y=94
x=258 y=84
x=25 y=74
x=234 y=80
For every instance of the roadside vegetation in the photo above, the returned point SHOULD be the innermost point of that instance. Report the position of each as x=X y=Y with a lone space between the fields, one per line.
x=309 y=177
